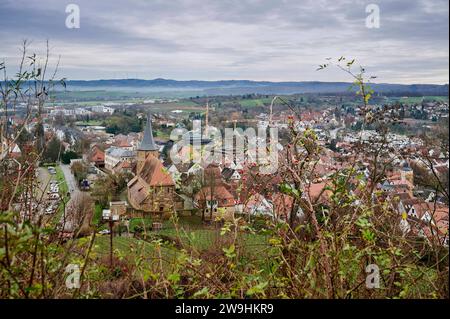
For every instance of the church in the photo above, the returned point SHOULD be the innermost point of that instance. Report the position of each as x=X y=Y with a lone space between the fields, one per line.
x=152 y=190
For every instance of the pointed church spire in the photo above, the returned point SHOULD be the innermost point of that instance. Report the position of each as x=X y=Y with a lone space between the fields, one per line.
x=147 y=143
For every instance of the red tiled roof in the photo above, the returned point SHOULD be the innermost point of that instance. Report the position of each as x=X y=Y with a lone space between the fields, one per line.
x=219 y=192
x=138 y=190
x=316 y=190
x=123 y=143
x=154 y=173
x=282 y=204
x=98 y=156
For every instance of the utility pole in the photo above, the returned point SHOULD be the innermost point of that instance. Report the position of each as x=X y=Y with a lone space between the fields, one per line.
x=111 y=219
x=110 y=243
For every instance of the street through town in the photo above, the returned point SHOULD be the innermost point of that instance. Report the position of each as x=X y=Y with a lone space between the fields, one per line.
x=75 y=193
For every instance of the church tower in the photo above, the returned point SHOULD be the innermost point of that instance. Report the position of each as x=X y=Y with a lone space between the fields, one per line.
x=147 y=145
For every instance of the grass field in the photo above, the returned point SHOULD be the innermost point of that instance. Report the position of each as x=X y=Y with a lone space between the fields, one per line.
x=88 y=100
x=89 y=97
x=193 y=237
x=419 y=99
x=255 y=102
x=185 y=106
x=192 y=232
x=203 y=239
x=253 y=246
x=89 y=123
x=124 y=245
x=140 y=222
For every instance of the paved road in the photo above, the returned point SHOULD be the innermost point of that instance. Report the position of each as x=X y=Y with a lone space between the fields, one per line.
x=70 y=179
x=44 y=178
x=74 y=194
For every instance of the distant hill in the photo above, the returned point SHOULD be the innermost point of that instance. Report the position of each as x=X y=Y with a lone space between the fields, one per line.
x=246 y=87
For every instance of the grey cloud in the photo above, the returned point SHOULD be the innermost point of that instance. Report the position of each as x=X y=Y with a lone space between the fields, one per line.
x=234 y=39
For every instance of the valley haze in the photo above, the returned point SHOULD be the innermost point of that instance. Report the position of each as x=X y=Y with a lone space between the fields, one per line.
x=238 y=87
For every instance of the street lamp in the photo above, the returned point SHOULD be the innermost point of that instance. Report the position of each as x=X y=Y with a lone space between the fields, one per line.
x=111 y=219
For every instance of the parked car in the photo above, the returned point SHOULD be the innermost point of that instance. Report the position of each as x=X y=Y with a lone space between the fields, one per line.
x=54 y=196
x=104 y=232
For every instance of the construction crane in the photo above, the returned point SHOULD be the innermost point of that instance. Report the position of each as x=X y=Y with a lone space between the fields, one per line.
x=271 y=111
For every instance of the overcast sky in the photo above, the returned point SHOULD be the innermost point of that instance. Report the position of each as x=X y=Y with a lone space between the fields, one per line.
x=274 y=40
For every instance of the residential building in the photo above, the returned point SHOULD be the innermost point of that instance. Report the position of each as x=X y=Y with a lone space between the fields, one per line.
x=115 y=155
x=214 y=199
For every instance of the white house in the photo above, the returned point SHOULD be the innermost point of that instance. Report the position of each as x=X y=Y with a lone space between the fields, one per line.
x=114 y=155
x=258 y=205
x=102 y=109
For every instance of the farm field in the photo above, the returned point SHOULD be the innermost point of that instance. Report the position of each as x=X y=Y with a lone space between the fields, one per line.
x=419 y=99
